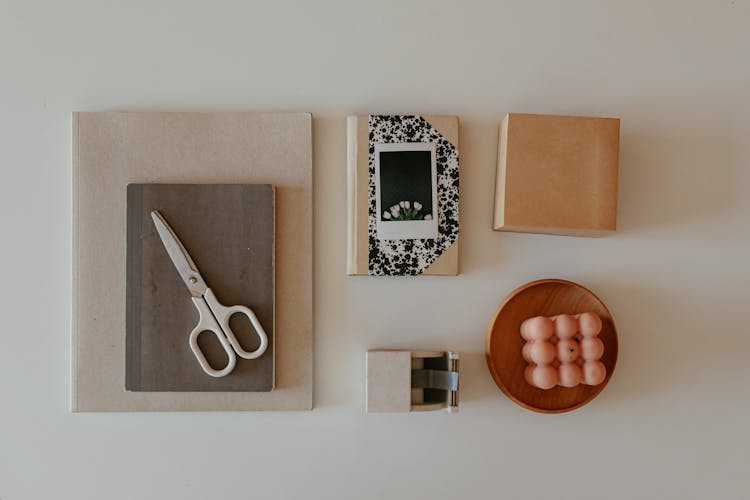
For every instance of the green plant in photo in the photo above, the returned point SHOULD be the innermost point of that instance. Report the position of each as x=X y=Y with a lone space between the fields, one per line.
x=405 y=210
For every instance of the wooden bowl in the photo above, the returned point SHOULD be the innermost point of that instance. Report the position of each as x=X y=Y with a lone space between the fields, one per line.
x=503 y=346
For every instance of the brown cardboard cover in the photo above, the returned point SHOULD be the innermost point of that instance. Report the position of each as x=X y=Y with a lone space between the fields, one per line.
x=228 y=231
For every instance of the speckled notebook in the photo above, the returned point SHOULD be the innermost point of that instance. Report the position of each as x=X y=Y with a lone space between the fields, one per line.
x=228 y=230
x=403 y=207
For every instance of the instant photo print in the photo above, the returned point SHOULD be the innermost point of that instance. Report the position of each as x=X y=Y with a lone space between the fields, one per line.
x=406 y=191
x=402 y=195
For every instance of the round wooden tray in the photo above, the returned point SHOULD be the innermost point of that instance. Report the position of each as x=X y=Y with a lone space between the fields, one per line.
x=503 y=346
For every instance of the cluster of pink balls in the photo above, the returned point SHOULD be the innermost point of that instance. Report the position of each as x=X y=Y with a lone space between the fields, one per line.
x=563 y=350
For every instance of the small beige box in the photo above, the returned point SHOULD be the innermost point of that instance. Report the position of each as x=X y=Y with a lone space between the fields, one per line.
x=405 y=381
x=557 y=175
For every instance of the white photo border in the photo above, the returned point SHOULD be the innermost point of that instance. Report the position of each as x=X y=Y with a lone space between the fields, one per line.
x=407 y=230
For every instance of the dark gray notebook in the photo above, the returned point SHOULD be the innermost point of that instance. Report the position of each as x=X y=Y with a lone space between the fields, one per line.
x=229 y=232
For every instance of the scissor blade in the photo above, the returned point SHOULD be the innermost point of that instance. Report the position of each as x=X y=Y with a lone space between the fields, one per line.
x=180 y=257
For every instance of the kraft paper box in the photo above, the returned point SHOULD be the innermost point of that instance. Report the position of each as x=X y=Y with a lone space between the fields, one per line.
x=557 y=175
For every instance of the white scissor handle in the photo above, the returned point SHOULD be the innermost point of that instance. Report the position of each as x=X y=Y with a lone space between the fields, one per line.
x=224 y=313
x=207 y=323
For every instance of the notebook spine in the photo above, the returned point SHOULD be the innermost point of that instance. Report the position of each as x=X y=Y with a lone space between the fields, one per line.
x=351 y=199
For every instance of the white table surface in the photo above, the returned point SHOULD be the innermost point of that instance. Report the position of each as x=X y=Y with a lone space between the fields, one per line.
x=673 y=422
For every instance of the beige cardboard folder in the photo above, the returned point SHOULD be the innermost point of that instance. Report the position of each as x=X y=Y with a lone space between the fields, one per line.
x=111 y=150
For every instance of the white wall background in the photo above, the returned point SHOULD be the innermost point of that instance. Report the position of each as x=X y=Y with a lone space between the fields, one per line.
x=673 y=422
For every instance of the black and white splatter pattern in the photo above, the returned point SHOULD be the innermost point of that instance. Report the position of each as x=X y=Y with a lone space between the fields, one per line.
x=412 y=257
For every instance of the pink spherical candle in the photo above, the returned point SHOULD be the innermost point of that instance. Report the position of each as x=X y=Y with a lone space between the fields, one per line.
x=538 y=328
x=568 y=350
x=590 y=324
x=570 y=375
x=566 y=326
x=525 y=351
x=592 y=348
x=544 y=377
x=541 y=352
x=528 y=374
x=594 y=372
x=563 y=350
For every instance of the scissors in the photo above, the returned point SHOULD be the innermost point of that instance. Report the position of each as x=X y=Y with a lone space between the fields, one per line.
x=213 y=316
